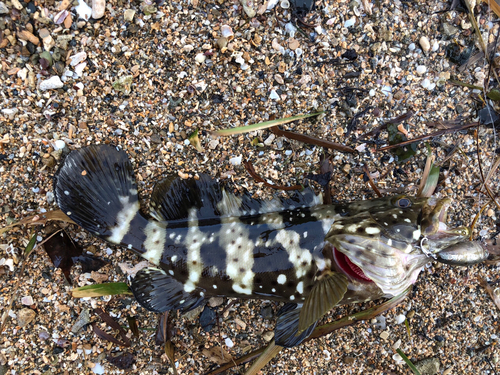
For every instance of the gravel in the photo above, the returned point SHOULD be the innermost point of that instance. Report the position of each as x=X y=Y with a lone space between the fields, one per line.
x=147 y=75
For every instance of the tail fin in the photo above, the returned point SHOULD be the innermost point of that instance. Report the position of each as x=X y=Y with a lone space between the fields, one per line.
x=95 y=187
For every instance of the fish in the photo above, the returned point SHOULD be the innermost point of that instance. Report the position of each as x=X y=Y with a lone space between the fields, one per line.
x=206 y=239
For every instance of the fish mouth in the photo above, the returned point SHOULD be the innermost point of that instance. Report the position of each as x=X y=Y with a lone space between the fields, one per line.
x=349 y=268
x=435 y=231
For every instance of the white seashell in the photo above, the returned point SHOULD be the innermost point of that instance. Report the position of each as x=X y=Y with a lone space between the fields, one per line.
x=226 y=31
x=78 y=58
x=53 y=82
x=79 y=68
x=271 y=4
x=60 y=17
x=98 y=8
x=83 y=10
x=285 y=4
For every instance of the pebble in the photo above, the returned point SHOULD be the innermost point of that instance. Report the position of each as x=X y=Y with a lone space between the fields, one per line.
x=98 y=8
x=426 y=83
x=400 y=318
x=215 y=301
x=274 y=95
x=82 y=320
x=3 y=8
x=128 y=15
x=83 y=10
x=200 y=58
x=226 y=31
x=248 y=8
x=53 y=82
x=222 y=42
x=27 y=300
x=17 y=4
x=77 y=58
x=98 y=369
x=350 y=22
x=241 y=323
x=48 y=41
x=266 y=312
x=235 y=161
x=425 y=44
x=384 y=335
x=428 y=366
x=10 y=112
x=421 y=69
x=229 y=342
x=25 y=316
x=285 y=4
x=268 y=336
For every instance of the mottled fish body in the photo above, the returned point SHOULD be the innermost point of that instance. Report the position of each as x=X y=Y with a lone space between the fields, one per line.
x=205 y=241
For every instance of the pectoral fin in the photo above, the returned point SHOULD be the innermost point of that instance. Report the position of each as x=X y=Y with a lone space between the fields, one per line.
x=326 y=293
x=286 y=331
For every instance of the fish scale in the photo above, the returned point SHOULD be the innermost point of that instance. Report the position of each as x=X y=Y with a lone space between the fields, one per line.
x=205 y=240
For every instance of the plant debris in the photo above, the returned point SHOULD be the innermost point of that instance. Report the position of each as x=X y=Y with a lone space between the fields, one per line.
x=64 y=253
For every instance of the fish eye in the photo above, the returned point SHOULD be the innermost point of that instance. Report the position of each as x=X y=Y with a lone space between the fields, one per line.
x=403 y=203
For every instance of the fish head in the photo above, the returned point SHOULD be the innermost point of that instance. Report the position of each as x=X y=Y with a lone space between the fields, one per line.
x=388 y=240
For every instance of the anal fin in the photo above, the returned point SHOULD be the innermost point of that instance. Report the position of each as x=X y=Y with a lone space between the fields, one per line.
x=157 y=291
x=287 y=326
x=326 y=293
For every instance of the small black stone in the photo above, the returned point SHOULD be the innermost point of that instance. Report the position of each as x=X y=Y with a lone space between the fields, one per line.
x=267 y=312
x=30 y=7
x=57 y=350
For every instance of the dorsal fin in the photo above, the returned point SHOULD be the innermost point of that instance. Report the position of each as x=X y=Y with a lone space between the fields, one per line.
x=173 y=198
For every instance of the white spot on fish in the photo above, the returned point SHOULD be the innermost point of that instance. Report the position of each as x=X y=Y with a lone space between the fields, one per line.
x=171 y=235
x=300 y=287
x=171 y=272
x=389 y=242
x=352 y=228
x=174 y=258
x=214 y=286
x=372 y=230
x=129 y=246
x=305 y=234
x=66 y=192
x=281 y=279
x=407 y=220
x=68 y=213
x=273 y=290
x=292 y=298
x=123 y=219
x=394 y=216
x=416 y=234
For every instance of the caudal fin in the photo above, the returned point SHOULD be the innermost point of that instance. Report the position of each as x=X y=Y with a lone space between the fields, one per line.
x=95 y=187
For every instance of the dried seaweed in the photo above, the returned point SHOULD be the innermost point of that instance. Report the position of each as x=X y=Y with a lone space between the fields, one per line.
x=123 y=362
x=113 y=324
x=251 y=170
x=435 y=134
x=312 y=140
x=40 y=219
x=64 y=253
